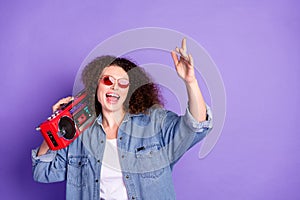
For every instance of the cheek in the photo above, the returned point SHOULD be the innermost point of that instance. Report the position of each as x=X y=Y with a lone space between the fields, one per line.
x=100 y=93
x=124 y=93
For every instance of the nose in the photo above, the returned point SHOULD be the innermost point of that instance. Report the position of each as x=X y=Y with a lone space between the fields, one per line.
x=115 y=86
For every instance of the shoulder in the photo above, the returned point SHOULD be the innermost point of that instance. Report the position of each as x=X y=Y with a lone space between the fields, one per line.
x=154 y=113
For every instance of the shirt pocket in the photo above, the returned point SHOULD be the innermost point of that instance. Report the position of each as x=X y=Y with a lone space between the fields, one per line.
x=149 y=159
x=77 y=171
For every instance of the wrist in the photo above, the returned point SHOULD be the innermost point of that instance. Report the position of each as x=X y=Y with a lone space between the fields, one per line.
x=43 y=149
x=191 y=82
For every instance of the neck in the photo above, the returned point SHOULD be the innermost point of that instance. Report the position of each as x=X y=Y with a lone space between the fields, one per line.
x=112 y=119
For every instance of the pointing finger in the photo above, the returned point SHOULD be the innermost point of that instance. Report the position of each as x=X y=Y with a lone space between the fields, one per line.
x=183 y=54
x=183 y=44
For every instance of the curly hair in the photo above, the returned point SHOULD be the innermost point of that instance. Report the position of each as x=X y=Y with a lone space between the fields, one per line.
x=142 y=93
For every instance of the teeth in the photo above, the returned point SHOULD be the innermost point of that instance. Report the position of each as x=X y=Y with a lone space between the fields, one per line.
x=112 y=95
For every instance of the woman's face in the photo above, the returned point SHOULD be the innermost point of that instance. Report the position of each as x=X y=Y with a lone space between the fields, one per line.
x=113 y=88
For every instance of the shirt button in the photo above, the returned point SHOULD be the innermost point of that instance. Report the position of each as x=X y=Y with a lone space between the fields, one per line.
x=132 y=197
x=97 y=181
x=98 y=161
x=123 y=156
x=102 y=141
x=121 y=138
x=127 y=177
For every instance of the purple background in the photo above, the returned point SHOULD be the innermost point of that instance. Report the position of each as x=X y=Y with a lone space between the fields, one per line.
x=255 y=45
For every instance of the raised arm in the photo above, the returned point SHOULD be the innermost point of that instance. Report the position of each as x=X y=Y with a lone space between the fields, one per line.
x=184 y=65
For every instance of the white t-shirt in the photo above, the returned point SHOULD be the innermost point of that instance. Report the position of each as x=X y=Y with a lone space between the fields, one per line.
x=111 y=183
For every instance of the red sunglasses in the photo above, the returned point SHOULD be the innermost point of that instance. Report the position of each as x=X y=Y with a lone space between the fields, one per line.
x=109 y=80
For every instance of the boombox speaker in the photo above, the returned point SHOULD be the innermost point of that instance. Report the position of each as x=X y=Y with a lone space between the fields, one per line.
x=67 y=123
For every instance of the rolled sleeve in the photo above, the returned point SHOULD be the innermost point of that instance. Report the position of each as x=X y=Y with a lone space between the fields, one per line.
x=196 y=126
x=50 y=167
x=48 y=157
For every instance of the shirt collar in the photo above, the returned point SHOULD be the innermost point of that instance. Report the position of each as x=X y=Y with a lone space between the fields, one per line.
x=126 y=117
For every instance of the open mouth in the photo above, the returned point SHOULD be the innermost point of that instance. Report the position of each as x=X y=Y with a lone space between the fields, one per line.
x=112 y=97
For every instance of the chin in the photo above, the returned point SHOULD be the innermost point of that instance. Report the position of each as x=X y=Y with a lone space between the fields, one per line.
x=113 y=107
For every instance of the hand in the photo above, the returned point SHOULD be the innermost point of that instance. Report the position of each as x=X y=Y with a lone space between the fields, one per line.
x=185 y=64
x=61 y=102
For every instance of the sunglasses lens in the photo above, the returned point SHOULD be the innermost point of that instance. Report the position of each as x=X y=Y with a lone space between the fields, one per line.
x=107 y=80
x=123 y=83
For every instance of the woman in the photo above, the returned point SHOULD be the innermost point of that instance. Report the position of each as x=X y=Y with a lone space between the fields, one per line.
x=131 y=148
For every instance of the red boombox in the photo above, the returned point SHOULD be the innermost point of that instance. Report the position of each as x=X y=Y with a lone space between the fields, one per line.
x=67 y=123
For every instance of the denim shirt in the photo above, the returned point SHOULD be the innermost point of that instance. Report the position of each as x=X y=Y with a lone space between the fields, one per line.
x=148 y=146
